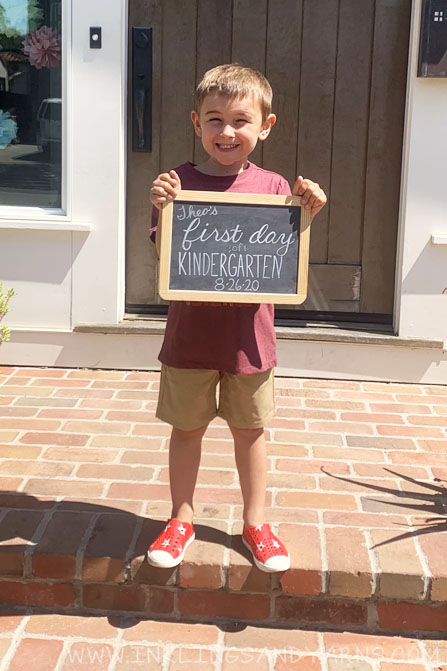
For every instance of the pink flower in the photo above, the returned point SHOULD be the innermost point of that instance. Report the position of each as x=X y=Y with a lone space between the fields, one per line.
x=43 y=48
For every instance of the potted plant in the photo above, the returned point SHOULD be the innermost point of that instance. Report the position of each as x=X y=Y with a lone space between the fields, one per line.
x=4 y=300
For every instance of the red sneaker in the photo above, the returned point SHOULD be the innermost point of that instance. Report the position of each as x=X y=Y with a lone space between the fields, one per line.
x=169 y=547
x=269 y=554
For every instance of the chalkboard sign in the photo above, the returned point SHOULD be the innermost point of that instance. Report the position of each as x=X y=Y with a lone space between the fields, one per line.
x=233 y=247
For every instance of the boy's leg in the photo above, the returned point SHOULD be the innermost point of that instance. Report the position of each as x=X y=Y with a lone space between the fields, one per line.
x=251 y=462
x=247 y=403
x=184 y=460
x=168 y=549
x=269 y=554
x=187 y=399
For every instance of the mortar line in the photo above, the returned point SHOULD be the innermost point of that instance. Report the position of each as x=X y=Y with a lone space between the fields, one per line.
x=83 y=545
x=34 y=541
x=119 y=454
x=118 y=646
x=15 y=642
x=130 y=550
x=220 y=650
x=427 y=575
x=375 y=566
x=10 y=375
x=64 y=653
x=427 y=659
x=68 y=637
x=225 y=568
x=322 y=652
x=324 y=561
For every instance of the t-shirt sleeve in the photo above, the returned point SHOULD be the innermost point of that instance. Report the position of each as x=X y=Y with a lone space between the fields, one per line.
x=283 y=188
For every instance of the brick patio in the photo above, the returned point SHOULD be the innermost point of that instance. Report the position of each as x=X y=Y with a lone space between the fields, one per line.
x=356 y=490
x=47 y=642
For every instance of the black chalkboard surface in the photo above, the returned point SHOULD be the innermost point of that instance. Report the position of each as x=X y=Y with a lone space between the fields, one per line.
x=233 y=247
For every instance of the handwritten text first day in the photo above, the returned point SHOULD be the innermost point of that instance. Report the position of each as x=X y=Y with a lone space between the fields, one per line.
x=197 y=231
x=258 y=254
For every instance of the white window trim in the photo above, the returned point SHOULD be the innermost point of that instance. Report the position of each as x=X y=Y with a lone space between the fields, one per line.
x=45 y=225
x=37 y=218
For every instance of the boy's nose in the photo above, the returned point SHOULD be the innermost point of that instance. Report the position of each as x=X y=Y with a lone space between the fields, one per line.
x=227 y=131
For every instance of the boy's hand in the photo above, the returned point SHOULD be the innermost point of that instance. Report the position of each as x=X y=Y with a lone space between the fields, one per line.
x=312 y=195
x=165 y=188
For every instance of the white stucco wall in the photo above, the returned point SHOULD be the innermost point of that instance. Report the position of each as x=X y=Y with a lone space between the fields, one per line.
x=64 y=276
x=421 y=305
x=37 y=264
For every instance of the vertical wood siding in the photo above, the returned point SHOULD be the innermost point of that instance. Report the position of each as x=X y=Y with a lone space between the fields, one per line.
x=338 y=72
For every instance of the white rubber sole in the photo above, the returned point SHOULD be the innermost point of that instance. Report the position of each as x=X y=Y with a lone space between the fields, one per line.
x=263 y=567
x=168 y=562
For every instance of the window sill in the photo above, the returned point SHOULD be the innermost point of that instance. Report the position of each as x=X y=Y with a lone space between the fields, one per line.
x=439 y=239
x=44 y=225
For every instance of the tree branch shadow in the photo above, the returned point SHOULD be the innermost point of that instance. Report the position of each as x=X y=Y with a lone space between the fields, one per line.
x=437 y=503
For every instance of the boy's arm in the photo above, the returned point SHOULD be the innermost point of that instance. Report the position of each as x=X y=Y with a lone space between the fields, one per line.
x=164 y=188
x=312 y=195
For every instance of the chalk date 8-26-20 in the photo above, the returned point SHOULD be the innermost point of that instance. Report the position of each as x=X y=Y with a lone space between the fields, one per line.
x=235 y=284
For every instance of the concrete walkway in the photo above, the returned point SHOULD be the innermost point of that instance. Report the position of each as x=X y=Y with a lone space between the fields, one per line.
x=356 y=490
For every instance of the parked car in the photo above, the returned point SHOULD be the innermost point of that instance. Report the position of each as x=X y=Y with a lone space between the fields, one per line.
x=49 y=124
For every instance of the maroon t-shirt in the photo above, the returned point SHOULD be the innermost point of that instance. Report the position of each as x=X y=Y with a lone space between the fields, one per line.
x=232 y=338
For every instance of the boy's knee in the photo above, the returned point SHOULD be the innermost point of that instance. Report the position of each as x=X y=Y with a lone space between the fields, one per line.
x=249 y=435
x=188 y=436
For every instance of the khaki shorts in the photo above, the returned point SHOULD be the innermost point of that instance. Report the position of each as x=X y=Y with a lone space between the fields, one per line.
x=187 y=398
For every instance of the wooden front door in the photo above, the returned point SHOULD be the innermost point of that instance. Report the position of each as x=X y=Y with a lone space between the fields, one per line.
x=338 y=72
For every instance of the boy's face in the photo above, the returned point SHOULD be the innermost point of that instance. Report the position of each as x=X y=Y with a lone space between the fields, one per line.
x=230 y=129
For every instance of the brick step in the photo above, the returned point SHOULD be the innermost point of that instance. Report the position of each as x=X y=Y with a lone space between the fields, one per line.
x=95 y=562
x=355 y=490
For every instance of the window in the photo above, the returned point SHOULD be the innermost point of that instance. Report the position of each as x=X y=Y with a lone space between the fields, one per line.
x=30 y=103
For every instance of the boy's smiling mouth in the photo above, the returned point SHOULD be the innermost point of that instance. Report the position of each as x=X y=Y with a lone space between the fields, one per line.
x=226 y=147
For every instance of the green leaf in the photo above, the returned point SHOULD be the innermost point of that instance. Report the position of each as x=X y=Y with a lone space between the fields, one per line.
x=5 y=297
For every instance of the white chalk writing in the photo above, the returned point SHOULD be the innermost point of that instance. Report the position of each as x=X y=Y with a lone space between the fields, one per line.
x=238 y=258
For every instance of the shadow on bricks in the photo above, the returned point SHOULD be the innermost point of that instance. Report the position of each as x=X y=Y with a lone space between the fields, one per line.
x=79 y=557
x=87 y=557
x=430 y=502
x=90 y=542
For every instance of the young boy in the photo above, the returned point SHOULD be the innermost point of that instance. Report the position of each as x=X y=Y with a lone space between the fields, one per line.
x=230 y=345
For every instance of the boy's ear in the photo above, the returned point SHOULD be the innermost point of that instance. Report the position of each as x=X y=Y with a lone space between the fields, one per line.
x=267 y=126
x=196 y=123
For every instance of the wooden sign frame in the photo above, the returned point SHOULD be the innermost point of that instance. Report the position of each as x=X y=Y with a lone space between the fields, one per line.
x=166 y=218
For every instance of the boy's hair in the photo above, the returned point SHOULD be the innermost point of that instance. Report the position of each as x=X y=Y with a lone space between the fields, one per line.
x=235 y=81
